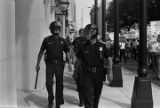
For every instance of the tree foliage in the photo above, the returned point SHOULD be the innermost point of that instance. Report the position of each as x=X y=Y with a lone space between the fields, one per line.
x=129 y=13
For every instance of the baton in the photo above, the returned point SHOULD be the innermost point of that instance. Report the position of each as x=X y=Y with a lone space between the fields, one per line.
x=35 y=86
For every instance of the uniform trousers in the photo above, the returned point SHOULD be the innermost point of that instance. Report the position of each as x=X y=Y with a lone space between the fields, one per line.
x=93 y=83
x=56 y=69
x=78 y=79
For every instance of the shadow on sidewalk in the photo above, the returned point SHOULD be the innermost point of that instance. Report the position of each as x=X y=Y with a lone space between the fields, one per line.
x=39 y=101
x=123 y=105
x=71 y=99
x=70 y=87
x=69 y=82
x=132 y=66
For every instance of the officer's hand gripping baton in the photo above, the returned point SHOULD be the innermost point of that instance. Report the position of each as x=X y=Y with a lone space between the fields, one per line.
x=35 y=86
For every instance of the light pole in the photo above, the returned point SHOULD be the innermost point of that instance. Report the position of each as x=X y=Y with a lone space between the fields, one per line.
x=117 y=71
x=64 y=5
x=103 y=19
x=95 y=11
x=142 y=91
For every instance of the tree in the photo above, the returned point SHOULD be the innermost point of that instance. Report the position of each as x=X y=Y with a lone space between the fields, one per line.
x=129 y=12
x=153 y=10
x=110 y=17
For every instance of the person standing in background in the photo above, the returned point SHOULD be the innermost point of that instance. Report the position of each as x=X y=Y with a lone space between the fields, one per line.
x=77 y=43
x=123 y=51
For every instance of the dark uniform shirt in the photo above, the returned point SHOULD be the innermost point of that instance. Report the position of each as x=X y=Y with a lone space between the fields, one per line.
x=54 y=47
x=77 y=43
x=93 y=55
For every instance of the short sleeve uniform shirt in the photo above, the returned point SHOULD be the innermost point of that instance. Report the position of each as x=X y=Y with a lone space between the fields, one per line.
x=54 y=46
x=77 y=43
x=93 y=55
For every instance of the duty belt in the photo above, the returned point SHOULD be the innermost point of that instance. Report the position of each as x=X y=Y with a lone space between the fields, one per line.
x=93 y=69
x=54 y=61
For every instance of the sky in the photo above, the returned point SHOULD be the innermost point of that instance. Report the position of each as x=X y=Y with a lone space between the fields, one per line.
x=83 y=8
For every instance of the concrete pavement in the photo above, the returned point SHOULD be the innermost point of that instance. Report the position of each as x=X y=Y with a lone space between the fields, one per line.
x=112 y=97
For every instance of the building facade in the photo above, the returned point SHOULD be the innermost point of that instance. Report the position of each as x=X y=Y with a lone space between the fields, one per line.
x=99 y=15
x=7 y=54
x=23 y=25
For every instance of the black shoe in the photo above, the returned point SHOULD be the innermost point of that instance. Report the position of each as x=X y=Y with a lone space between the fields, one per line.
x=81 y=104
x=58 y=106
x=50 y=104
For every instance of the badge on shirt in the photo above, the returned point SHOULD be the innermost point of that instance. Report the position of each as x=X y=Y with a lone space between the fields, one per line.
x=100 y=49
x=49 y=43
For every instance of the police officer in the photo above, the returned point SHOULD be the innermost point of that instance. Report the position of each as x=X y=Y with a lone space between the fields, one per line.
x=92 y=54
x=77 y=43
x=54 y=46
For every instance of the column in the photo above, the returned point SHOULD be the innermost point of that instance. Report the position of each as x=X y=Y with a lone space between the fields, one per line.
x=8 y=96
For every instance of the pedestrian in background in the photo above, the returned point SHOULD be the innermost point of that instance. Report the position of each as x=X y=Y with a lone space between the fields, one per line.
x=77 y=75
x=70 y=65
x=123 y=51
x=92 y=54
x=107 y=41
x=157 y=57
x=54 y=46
x=134 y=45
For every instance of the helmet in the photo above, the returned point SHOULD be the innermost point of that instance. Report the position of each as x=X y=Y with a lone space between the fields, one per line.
x=92 y=27
x=54 y=26
x=87 y=27
x=80 y=30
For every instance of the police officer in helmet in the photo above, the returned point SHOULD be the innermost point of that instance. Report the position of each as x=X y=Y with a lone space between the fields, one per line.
x=92 y=54
x=54 y=46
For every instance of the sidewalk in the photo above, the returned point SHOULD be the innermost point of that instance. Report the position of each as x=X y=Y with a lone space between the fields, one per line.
x=152 y=75
x=112 y=97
